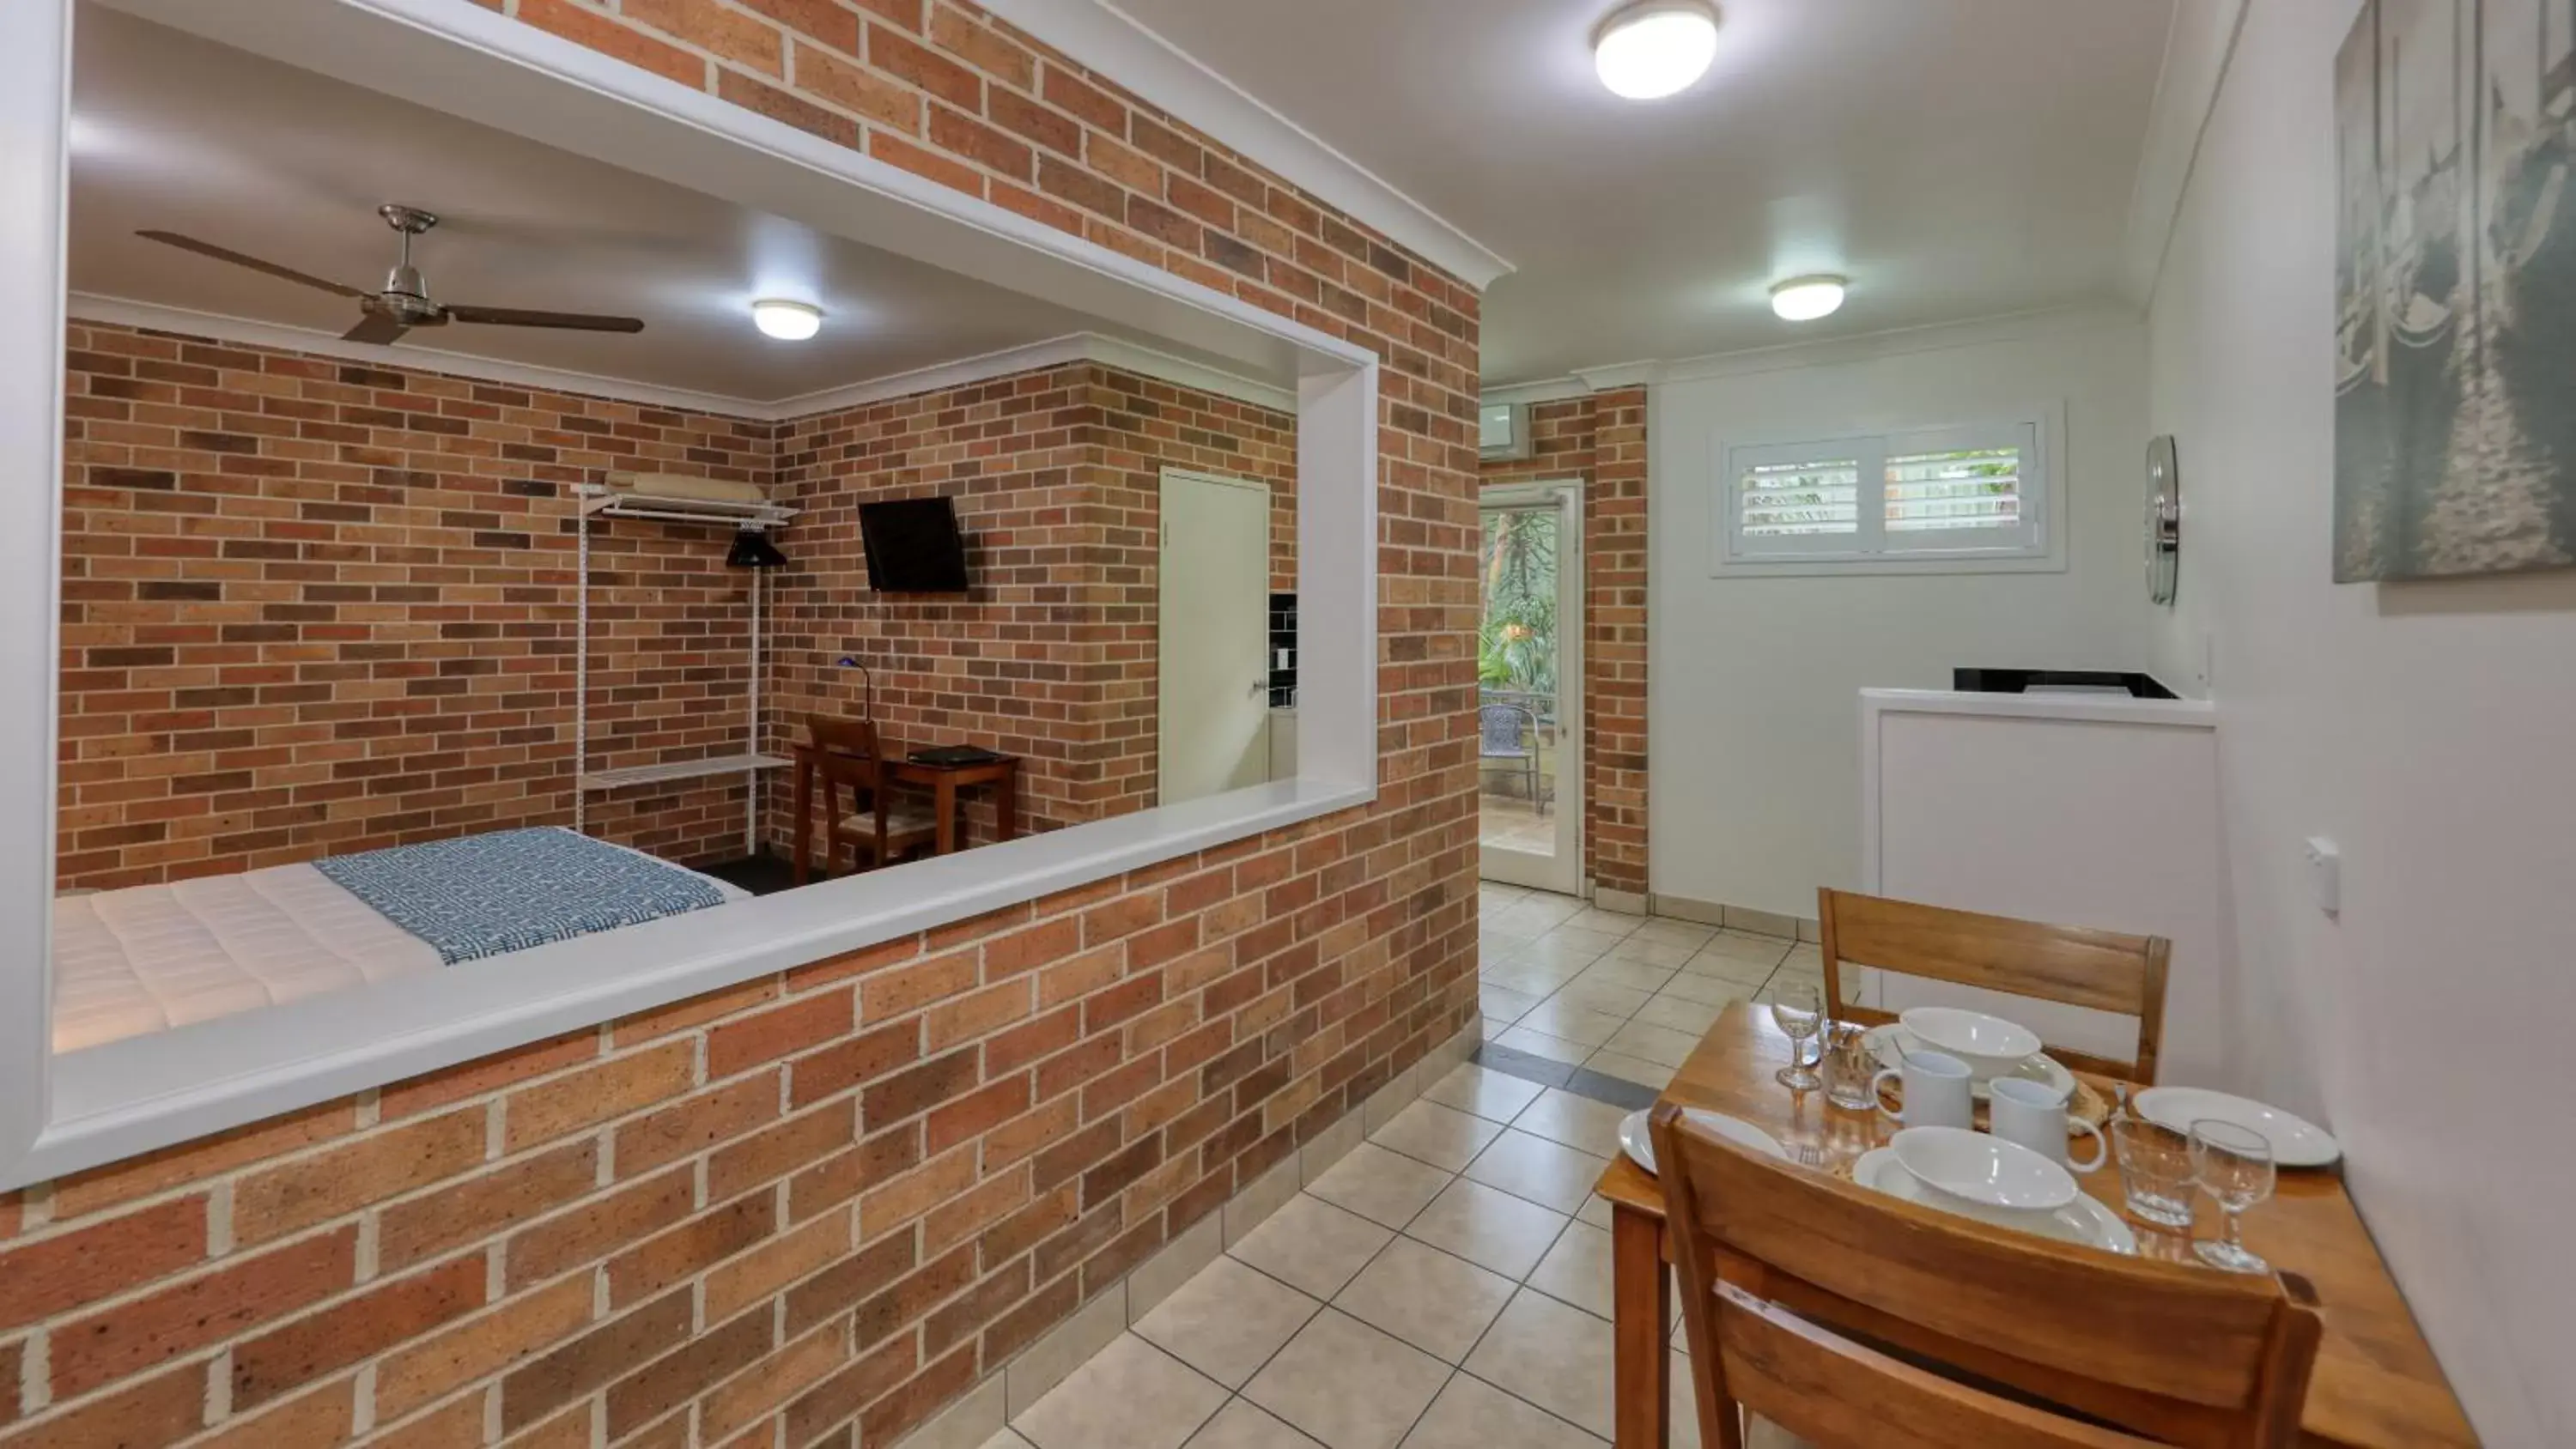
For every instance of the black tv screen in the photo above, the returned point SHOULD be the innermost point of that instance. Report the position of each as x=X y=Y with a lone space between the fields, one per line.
x=913 y=546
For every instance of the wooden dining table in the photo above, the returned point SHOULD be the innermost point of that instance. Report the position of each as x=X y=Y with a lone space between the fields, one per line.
x=2376 y=1384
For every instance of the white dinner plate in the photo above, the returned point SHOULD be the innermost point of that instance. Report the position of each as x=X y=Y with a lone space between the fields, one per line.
x=1640 y=1145
x=2296 y=1142
x=2081 y=1221
x=2042 y=1069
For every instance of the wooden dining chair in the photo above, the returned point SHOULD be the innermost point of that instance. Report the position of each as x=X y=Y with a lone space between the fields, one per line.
x=1857 y=1321
x=2066 y=964
x=880 y=823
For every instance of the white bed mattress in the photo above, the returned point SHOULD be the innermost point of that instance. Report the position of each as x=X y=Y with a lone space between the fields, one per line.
x=149 y=958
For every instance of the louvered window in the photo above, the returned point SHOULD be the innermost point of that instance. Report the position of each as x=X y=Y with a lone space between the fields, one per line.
x=1928 y=498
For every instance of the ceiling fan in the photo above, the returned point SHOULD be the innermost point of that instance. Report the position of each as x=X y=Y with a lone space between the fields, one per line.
x=404 y=303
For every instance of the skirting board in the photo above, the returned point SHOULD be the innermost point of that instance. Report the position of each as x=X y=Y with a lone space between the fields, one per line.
x=1006 y=1393
x=1735 y=918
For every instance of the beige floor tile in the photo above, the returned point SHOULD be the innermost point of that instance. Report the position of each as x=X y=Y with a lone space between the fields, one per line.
x=1574 y=938
x=1385 y=1187
x=1577 y=1269
x=1667 y=954
x=1634 y=975
x=1578 y=1122
x=1680 y=1013
x=1442 y=1136
x=1565 y=948
x=1746 y=946
x=1534 y=915
x=1630 y=1069
x=1596 y=1211
x=1730 y=968
x=1489 y=1094
x=1680 y=933
x=1438 y=1303
x=1241 y=1426
x=1488 y=1227
x=1473 y=1414
x=1504 y=1004
x=1616 y=1001
x=1312 y=1245
x=1007 y=1440
x=1527 y=978
x=1554 y=1356
x=1654 y=1043
x=1717 y=991
x=1348 y=1384
x=1562 y=1019
x=1609 y=923
x=1227 y=1321
x=1131 y=1395
x=1550 y=1174
x=1540 y=1044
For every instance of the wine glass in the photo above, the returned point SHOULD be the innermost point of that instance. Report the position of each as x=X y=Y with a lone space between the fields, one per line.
x=2234 y=1165
x=1799 y=1009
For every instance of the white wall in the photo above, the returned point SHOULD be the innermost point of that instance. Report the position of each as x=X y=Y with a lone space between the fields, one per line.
x=1754 y=714
x=2428 y=728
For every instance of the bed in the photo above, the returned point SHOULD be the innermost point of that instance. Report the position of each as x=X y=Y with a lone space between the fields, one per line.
x=149 y=958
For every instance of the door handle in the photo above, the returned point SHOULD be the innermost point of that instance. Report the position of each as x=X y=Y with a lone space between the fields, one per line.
x=1259 y=686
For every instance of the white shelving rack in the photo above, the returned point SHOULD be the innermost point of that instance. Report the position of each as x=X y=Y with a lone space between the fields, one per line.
x=643 y=500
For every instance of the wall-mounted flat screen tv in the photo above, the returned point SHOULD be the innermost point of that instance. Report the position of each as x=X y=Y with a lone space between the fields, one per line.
x=913 y=546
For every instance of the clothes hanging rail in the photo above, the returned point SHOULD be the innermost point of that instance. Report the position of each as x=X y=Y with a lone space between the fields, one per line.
x=666 y=499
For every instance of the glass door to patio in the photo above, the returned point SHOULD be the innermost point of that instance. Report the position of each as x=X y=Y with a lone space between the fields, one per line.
x=1529 y=674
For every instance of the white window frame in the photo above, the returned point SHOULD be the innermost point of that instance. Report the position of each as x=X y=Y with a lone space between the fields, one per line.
x=60 y=1114
x=2039 y=546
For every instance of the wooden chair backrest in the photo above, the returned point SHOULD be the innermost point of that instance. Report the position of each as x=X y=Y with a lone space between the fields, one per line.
x=2100 y=969
x=847 y=754
x=2178 y=1352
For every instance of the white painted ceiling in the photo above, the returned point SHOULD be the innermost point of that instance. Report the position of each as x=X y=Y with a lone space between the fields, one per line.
x=1955 y=158
x=177 y=133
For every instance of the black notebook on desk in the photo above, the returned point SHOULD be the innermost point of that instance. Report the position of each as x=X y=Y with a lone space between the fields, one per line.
x=952 y=757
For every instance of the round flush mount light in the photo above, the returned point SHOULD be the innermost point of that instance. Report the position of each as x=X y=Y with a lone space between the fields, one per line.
x=1655 y=48
x=786 y=321
x=1804 y=299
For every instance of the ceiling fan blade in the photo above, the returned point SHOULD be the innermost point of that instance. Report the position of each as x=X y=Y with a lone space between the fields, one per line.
x=376 y=327
x=226 y=254
x=572 y=321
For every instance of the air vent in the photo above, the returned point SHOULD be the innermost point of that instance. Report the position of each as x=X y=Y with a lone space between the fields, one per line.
x=1502 y=430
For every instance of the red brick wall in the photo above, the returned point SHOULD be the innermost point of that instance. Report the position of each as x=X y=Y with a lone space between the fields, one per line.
x=1052 y=655
x=1599 y=440
x=616 y=1231
x=312 y=607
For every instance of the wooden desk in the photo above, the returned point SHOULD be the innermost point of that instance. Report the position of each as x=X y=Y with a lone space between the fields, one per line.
x=2376 y=1384
x=943 y=781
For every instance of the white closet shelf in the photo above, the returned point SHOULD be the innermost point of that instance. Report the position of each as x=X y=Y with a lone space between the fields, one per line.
x=683 y=770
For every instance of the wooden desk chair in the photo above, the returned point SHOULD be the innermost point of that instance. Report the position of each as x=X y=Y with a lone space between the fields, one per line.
x=1786 y=1270
x=880 y=823
x=2099 y=969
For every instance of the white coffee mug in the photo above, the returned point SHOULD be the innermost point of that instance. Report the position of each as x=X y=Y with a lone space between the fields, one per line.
x=2034 y=1116
x=1936 y=1090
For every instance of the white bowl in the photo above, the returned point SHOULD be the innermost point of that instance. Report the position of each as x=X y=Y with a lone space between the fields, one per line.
x=1990 y=1045
x=1984 y=1170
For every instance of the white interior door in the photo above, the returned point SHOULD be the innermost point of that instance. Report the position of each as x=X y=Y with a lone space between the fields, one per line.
x=1213 y=635
x=1529 y=695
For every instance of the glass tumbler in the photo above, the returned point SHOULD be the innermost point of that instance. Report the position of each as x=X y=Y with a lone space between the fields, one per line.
x=2156 y=1174
x=1850 y=1066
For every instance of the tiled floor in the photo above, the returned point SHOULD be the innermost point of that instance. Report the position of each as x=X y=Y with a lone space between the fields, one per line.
x=1514 y=823
x=1623 y=996
x=1446 y=1285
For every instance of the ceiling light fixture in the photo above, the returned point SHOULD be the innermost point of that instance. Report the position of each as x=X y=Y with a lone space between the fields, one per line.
x=786 y=321
x=1655 y=48
x=1804 y=299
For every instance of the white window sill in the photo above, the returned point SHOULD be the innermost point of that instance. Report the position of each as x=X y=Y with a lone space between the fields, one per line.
x=141 y=1093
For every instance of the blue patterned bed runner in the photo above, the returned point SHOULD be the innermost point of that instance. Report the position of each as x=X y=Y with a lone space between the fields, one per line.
x=507 y=891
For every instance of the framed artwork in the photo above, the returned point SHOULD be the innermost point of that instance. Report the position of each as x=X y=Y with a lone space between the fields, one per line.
x=2455 y=287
